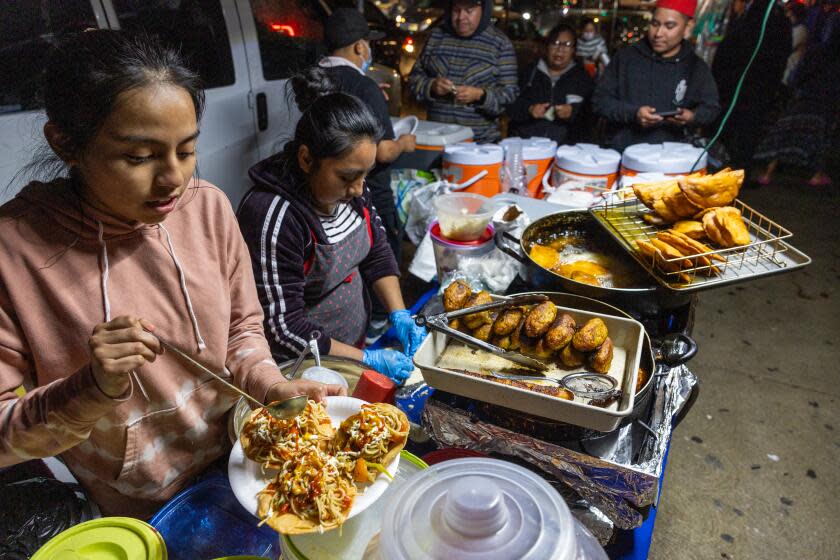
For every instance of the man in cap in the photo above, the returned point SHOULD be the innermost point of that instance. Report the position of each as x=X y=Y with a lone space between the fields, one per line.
x=348 y=42
x=655 y=89
x=466 y=73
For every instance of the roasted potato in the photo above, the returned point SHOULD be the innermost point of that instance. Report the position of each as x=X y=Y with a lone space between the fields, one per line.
x=539 y=319
x=561 y=332
x=571 y=357
x=507 y=321
x=456 y=324
x=516 y=335
x=601 y=359
x=456 y=295
x=475 y=320
x=590 y=336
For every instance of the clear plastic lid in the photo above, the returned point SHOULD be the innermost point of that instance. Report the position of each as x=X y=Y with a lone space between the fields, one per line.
x=668 y=157
x=587 y=159
x=430 y=133
x=532 y=148
x=470 y=509
x=467 y=153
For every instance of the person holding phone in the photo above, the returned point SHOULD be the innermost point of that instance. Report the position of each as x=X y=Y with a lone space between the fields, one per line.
x=656 y=89
x=553 y=92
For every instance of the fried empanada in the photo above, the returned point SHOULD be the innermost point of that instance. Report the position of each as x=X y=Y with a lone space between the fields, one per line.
x=546 y=257
x=719 y=189
x=650 y=251
x=670 y=252
x=678 y=203
x=649 y=193
x=691 y=228
x=731 y=224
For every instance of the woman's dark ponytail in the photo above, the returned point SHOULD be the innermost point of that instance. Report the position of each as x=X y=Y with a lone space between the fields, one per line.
x=331 y=123
x=311 y=84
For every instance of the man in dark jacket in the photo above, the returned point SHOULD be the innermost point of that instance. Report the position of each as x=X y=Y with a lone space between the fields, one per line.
x=660 y=74
x=553 y=92
x=347 y=36
x=466 y=73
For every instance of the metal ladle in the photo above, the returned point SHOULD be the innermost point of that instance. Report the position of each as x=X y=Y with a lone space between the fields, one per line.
x=288 y=408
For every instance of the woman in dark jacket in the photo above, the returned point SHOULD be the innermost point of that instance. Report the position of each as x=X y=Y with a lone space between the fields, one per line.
x=553 y=92
x=317 y=244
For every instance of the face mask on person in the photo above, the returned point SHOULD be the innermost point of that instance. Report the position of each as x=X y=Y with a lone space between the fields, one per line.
x=369 y=60
x=588 y=35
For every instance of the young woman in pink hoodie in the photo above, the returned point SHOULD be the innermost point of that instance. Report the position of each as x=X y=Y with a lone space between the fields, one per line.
x=125 y=244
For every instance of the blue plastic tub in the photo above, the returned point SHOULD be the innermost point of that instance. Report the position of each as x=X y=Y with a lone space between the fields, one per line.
x=206 y=521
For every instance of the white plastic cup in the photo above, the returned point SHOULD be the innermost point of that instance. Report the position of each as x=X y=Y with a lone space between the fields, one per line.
x=324 y=375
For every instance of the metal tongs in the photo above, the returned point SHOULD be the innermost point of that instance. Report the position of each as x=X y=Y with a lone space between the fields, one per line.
x=440 y=323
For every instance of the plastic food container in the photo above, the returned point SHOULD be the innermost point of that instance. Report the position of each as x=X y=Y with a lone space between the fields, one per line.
x=109 y=538
x=463 y=216
x=207 y=521
x=586 y=167
x=537 y=153
x=431 y=137
x=449 y=253
x=482 y=509
x=361 y=533
x=325 y=375
x=461 y=162
x=375 y=387
x=670 y=158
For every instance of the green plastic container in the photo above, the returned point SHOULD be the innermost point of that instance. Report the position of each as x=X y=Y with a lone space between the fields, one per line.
x=109 y=538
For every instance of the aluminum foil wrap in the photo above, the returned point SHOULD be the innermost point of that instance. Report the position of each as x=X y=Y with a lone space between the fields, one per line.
x=616 y=474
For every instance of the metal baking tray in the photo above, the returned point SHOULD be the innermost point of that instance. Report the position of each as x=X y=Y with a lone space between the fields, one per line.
x=767 y=254
x=439 y=358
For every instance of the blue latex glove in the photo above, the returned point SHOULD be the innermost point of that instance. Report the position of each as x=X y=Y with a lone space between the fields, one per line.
x=408 y=333
x=389 y=362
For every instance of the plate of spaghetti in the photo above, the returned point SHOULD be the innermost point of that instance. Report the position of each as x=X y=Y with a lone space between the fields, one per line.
x=313 y=472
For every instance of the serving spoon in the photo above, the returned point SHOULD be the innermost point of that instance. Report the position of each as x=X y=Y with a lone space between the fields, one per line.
x=287 y=408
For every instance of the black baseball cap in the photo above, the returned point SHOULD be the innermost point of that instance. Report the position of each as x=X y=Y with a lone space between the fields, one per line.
x=345 y=26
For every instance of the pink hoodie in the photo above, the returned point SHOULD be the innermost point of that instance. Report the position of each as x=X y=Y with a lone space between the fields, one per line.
x=66 y=267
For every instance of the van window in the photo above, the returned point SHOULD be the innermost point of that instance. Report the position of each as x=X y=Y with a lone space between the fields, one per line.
x=290 y=34
x=196 y=27
x=26 y=29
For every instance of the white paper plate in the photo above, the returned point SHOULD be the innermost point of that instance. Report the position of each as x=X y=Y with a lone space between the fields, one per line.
x=247 y=479
x=406 y=125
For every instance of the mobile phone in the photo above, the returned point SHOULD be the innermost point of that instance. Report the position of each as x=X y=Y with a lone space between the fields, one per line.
x=665 y=114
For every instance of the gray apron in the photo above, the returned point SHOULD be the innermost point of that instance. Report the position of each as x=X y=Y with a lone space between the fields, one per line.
x=334 y=282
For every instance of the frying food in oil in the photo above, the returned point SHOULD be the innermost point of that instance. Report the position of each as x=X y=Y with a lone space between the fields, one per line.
x=591 y=335
x=456 y=295
x=540 y=318
x=601 y=359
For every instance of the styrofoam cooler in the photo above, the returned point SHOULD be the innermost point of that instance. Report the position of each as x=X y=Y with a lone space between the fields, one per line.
x=432 y=137
x=538 y=154
x=670 y=158
x=464 y=161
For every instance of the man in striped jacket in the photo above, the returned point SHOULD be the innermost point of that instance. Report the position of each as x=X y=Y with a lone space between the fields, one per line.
x=467 y=73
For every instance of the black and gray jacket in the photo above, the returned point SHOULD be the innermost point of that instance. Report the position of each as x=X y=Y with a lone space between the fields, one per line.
x=536 y=87
x=637 y=76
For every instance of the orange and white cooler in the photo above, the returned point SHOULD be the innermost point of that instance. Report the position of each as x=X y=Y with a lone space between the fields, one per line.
x=463 y=161
x=586 y=167
x=669 y=158
x=538 y=154
x=431 y=138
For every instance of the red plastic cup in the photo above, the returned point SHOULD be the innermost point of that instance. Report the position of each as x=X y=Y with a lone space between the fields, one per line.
x=375 y=387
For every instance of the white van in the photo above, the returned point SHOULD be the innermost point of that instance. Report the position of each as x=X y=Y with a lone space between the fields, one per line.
x=244 y=51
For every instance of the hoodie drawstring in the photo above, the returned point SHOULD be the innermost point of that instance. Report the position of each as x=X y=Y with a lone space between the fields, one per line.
x=184 y=290
x=106 y=303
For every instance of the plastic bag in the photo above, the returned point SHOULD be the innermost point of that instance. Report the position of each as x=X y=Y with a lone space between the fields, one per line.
x=403 y=184
x=34 y=511
x=422 y=211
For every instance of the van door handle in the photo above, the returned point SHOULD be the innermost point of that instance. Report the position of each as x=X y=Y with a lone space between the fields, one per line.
x=262 y=112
